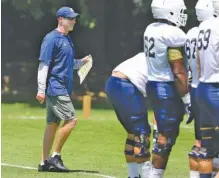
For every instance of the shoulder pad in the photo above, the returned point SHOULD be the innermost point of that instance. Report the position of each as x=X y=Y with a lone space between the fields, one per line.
x=175 y=37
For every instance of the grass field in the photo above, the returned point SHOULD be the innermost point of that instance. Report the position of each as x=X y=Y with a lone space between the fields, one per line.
x=94 y=149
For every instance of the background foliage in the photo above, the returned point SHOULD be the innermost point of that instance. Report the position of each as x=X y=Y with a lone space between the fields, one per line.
x=110 y=30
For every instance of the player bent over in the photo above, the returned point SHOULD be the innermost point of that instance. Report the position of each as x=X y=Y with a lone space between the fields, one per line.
x=126 y=92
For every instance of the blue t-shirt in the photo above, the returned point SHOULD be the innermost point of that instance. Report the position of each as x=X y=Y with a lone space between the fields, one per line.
x=58 y=52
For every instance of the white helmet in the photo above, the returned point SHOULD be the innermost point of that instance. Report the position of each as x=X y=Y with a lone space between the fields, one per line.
x=171 y=10
x=204 y=10
x=216 y=7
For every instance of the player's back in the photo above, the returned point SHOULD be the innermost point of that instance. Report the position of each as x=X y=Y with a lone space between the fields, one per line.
x=135 y=69
x=158 y=37
x=190 y=51
x=208 y=46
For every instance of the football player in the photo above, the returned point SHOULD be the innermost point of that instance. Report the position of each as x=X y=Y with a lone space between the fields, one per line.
x=204 y=11
x=208 y=91
x=167 y=86
x=126 y=90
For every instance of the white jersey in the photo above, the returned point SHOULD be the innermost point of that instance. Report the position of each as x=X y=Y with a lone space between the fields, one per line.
x=157 y=38
x=190 y=50
x=208 y=46
x=135 y=69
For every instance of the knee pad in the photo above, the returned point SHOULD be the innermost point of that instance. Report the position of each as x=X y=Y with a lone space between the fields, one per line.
x=142 y=146
x=194 y=151
x=204 y=153
x=164 y=149
x=131 y=143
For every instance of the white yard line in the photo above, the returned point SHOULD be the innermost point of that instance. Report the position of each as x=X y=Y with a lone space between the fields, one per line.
x=33 y=168
x=18 y=166
x=25 y=117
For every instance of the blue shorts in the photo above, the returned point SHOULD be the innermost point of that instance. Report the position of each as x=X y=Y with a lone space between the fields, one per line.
x=196 y=112
x=167 y=105
x=208 y=102
x=129 y=105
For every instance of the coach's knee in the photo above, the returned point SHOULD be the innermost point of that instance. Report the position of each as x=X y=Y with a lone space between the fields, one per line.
x=71 y=123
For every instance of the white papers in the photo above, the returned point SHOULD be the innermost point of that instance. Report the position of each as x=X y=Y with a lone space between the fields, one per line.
x=83 y=71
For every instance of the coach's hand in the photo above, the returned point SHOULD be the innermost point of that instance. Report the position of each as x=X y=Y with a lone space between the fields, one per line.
x=86 y=59
x=41 y=97
x=190 y=113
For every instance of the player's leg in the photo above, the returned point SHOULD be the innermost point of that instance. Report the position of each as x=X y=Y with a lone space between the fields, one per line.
x=131 y=112
x=209 y=119
x=140 y=165
x=169 y=111
x=141 y=130
x=193 y=154
x=214 y=103
x=114 y=89
x=64 y=110
x=132 y=166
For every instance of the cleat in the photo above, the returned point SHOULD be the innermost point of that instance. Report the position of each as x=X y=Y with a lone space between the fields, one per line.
x=57 y=162
x=46 y=167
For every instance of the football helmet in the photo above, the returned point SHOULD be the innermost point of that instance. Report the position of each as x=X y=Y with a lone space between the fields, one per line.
x=171 y=10
x=216 y=7
x=204 y=10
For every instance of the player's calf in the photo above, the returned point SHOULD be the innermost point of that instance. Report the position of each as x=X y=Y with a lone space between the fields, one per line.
x=132 y=166
x=205 y=162
x=160 y=156
x=193 y=162
x=142 y=154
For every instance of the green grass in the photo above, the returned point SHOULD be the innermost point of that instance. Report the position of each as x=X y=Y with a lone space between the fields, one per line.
x=96 y=144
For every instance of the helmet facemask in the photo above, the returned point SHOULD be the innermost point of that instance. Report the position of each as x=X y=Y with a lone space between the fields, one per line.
x=179 y=18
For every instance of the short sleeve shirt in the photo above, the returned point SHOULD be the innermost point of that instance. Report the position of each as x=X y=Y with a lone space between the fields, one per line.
x=57 y=51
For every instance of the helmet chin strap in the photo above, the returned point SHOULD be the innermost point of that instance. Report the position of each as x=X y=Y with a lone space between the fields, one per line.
x=165 y=21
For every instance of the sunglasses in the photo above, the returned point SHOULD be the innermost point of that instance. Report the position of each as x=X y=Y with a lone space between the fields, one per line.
x=70 y=18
